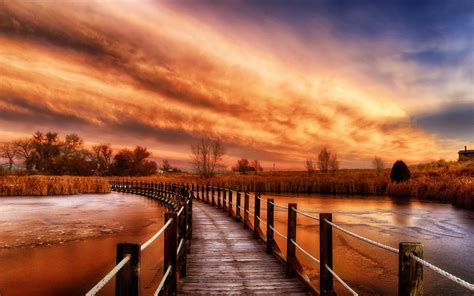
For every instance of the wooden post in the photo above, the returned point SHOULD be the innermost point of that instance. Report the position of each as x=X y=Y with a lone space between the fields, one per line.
x=224 y=199
x=182 y=236
x=256 y=222
x=207 y=193
x=202 y=192
x=246 y=210
x=270 y=203
x=325 y=255
x=218 y=197
x=213 y=203
x=237 y=208
x=190 y=217
x=230 y=202
x=170 y=246
x=127 y=281
x=291 y=235
x=410 y=272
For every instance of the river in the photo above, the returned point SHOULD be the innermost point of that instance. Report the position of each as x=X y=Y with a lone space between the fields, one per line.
x=446 y=232
x=63 y=245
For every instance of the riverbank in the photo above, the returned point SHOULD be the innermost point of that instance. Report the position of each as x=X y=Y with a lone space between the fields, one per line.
x=51 y=185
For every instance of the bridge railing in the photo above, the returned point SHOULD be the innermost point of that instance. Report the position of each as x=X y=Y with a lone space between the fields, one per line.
x=177 y=231
x=410 y=254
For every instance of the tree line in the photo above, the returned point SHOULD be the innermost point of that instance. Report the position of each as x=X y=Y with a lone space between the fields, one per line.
x=47 y=153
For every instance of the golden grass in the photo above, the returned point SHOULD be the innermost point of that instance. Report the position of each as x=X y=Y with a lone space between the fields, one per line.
x=51 y=185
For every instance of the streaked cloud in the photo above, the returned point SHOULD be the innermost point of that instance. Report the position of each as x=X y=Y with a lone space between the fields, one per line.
x=163 y=74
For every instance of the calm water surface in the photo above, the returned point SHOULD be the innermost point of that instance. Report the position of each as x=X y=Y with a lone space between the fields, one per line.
x=64 y=245
x=447 y=234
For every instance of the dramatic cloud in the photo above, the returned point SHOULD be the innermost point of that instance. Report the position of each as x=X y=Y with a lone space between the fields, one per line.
x=163 y=74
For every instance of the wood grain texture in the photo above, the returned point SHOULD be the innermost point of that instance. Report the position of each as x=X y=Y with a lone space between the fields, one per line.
x=226 y=259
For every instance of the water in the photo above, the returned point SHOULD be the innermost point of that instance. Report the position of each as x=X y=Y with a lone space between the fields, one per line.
x=446 y=232
x=64 y=245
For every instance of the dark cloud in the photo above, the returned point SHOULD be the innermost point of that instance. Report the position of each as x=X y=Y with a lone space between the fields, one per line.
x=454 y=120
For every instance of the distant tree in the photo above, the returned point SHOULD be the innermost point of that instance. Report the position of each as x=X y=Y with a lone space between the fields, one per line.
x=333 y=163
x=324 y=158
x=25 y=152
x=256 y=166
x=133 y=163
x=206 y=155
x=165 y=165
x=47 y=150
x=102 y=158
x=243 y=166
x=400 y=172
x=310 y=166
x=8 y=151
x=378 y=164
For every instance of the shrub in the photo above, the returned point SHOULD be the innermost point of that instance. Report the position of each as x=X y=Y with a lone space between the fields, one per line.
x=400 y=172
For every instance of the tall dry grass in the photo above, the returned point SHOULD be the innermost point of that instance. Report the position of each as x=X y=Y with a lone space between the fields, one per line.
x=51 y=185
x=439 y=181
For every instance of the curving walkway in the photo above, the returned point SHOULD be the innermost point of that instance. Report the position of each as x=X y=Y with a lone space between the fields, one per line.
x=226 y=259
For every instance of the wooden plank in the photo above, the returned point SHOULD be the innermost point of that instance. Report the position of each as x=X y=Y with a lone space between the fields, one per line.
x=226 y=259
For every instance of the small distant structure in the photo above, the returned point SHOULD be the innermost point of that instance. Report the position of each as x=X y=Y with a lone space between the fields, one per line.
x=465 y=155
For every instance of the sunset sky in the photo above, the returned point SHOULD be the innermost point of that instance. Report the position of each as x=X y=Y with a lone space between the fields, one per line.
x=275 y=80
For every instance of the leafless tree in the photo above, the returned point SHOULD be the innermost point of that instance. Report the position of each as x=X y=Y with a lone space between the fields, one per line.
x=310 y=166
x=8 y=151
x=324 y=158
x=256 y=165
x=102 y=156
x=333 y=163
x=206 y=155
x=25 y=151
x=378 y=164
x=165 y=165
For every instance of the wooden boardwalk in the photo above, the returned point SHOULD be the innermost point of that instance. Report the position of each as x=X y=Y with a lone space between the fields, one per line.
x=226 y=259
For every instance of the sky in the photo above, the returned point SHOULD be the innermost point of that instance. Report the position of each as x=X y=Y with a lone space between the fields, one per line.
x=275 y=80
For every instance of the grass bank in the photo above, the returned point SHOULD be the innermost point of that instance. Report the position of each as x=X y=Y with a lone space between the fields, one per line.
x=51 y=185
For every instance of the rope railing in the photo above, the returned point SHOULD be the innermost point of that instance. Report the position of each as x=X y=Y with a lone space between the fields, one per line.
x=163 y=280
x=261 y=221
x=181 y=242
x=278 y=206
x=341 y=281
x=108 y=276
x=180 y=211
x=157 y=234
x=305 y=213
x=444 y=273
x=279 y=233
x=306 y=252
x=367 y=240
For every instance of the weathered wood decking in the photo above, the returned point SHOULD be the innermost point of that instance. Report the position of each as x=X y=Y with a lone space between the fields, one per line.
x=226 y=259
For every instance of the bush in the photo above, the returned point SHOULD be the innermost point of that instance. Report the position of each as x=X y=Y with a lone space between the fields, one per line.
x=400 y=172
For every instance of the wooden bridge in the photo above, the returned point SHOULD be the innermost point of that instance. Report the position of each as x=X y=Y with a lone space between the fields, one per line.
x=212 y=247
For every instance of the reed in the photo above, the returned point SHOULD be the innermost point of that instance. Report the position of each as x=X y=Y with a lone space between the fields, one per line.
x=51 y=185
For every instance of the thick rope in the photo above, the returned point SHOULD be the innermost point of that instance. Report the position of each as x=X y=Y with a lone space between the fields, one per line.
x=152 y=239
x=305 y=214
x=261 y=221
x=180 y=246
x=377 y=244
x=247 y=211
x=446 y=274
x=163 y=280
x=278 y=206
x=305 y=252
x=108 y=276
x=258 y=197
x=180 y=211
x=279 y=233
x=341 y=281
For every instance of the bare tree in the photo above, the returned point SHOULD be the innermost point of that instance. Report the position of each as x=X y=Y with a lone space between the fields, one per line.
x=8 y=151
x=206 y=155
x=310 y=166
x=256 y=165
x=324 y=158
x=165 y=165
x=25 y=152
x=333 y=163
x=102 y=156
x=378 y=164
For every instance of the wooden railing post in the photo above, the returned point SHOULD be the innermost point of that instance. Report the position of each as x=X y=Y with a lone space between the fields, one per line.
x=170 y=246
x=230 y=202
x=190 y=216
x=202 y=192
x=182 y=236
x=213 y=198
x=291 y=235
x=127 y=281
x=270 y=212
x=237 y=208
x=224 y=199
x=256 y=222
x=207 y=193
x=325 y=254
x=219 y=197
x=410 y=272
x=246 y=210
